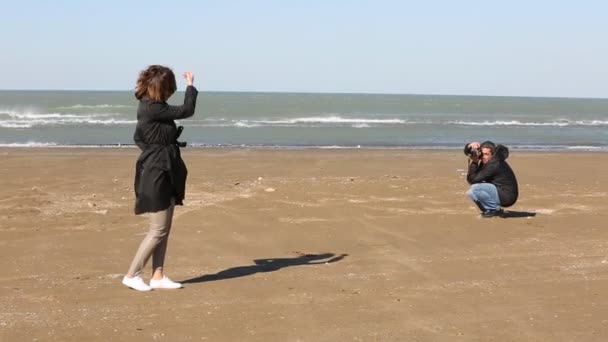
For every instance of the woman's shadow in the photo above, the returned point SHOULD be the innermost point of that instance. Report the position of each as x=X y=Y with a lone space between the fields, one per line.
x=268 y=265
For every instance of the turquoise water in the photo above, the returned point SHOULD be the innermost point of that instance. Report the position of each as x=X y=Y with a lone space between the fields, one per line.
x=107 y=118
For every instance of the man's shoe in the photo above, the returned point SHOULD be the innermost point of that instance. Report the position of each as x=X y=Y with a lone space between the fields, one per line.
x=492 y=213
x=136 y=283
x=164 y=283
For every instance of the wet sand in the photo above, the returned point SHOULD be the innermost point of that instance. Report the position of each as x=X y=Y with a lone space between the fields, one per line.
x=305 y=245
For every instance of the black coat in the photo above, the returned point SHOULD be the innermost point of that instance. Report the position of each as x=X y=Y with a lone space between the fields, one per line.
x=160 y=172
x=497 y=172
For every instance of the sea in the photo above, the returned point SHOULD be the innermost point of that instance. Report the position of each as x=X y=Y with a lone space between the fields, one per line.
x=310 y=120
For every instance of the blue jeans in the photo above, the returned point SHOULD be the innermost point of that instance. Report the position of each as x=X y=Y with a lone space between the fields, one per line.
x=486 y=194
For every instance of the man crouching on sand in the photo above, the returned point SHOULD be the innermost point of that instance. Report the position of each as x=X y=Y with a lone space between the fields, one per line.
x=493 y=183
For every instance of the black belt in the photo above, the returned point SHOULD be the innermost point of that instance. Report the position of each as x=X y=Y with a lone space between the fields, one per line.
x=179 y=132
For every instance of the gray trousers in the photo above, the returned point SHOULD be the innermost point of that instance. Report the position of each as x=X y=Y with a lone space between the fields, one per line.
x=155 y=243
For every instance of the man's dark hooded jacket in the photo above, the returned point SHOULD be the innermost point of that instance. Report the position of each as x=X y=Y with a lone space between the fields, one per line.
x=497 y=172
x=160 y=172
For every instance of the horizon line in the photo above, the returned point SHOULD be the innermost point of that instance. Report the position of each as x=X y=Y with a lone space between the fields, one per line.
x=320 y=93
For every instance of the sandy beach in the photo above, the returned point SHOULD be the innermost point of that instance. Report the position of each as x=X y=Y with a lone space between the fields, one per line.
x=305 y=245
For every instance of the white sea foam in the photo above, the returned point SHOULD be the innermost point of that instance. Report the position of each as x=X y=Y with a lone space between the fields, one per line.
x=27 y=118
x=80 y=106
x=335 y=119
x=14 y=124
x=559 y=123
x=319 y=121
x=298 y=122
x=63 y=121
x=50 y=115
x=58 y=145
x=242 y=123
x=303 y=121
x=30 y=144
x=336 y=147
x=586 y=148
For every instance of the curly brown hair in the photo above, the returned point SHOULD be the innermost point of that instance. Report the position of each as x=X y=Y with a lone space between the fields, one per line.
x=156 y=82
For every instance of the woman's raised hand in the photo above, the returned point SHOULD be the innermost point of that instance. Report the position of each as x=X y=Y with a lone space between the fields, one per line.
x=189 y=77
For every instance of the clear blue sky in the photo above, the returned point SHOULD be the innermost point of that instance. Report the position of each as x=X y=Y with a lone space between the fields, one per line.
x=522 y=48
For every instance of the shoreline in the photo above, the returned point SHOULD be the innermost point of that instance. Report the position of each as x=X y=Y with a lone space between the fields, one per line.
x=582 y=148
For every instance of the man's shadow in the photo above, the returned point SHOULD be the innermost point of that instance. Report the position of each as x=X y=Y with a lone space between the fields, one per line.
x=514 y=214
x=268 y=265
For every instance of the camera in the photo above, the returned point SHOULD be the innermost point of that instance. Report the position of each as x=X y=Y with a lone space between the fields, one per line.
x=472 y=152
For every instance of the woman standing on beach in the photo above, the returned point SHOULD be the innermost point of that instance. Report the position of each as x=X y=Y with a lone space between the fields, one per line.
x=160 y=174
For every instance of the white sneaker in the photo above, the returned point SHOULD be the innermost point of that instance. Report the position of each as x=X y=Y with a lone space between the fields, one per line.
x=136 y=283
x=164 y=283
